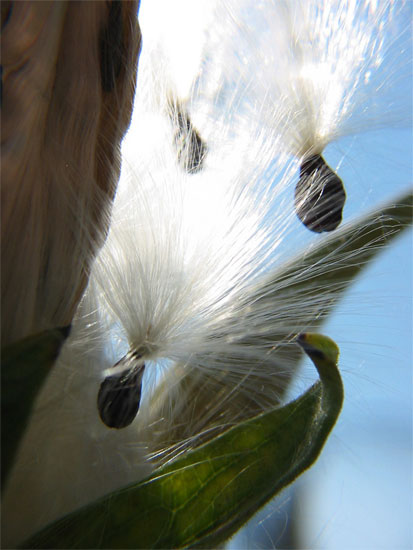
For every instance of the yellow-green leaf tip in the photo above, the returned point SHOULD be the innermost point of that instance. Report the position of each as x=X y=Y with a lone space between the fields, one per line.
x=318 y=345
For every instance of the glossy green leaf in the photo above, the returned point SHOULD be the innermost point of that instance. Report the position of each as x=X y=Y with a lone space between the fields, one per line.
x=201 y=499
x=24 y=367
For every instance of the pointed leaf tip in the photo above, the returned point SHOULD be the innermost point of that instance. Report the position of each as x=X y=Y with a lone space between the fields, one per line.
x=24 y=367
x=318 y=345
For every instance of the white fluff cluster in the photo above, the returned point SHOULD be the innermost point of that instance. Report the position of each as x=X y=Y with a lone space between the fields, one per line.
x=181 y=280
x=313 y=72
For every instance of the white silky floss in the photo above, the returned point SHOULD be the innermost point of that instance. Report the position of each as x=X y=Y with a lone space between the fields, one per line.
x=180 y=279
x=316 y=73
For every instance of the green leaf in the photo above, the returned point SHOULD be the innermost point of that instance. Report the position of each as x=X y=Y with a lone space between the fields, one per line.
x=330 y=267
x=201 y=499
x=24 y=367
x=303 y=294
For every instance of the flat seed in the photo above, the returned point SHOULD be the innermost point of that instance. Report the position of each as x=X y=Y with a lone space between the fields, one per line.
x=319 y=195
x=119 y=395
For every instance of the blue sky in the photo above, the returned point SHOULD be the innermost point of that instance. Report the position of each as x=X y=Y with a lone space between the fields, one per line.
x=358 y=494
x=361 y=488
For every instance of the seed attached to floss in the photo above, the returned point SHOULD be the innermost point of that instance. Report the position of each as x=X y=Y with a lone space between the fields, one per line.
x=319 y=195
x=119 y=395
x=191 y=148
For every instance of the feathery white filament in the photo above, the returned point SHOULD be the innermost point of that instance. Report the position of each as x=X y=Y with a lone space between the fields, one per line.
x=184 y=251
x=181 y=278
x=335 y=70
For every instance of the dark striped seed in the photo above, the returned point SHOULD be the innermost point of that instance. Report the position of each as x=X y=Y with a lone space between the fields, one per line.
x=319 y=195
